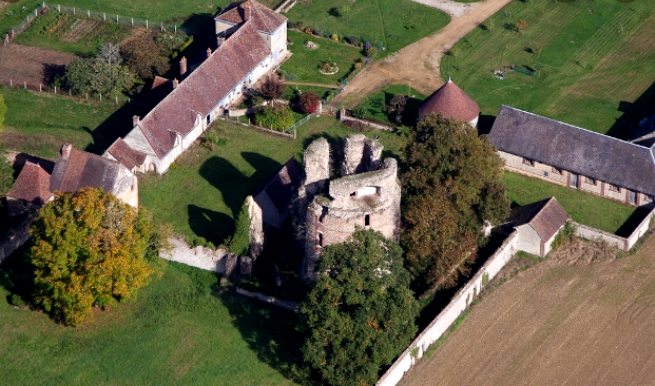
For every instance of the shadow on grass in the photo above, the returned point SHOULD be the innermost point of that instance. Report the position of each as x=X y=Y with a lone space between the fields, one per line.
x=270 y=332
x=228 y=180
x=633 y=113
x=264 y=166
x=631 y=223
x=213 y=226
x=17 y=275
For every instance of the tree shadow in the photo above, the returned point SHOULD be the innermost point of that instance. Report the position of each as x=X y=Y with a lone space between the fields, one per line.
x=229 y=180
x=485 y=123
x=270 y=333
x=17 y=275
x=633 y=113
x=52 y=71
x=213 y=226
x=264 y=166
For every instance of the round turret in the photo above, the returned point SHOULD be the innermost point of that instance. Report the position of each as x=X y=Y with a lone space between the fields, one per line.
x=452 y=102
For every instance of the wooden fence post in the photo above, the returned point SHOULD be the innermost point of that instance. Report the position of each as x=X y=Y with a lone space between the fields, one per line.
x=55 y=90
x=39 y=87
x=25 y=85
x=58 y=8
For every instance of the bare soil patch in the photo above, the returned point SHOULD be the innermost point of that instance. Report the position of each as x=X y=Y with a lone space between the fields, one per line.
x=417 y=64
x=30 y=64
x=562 y=322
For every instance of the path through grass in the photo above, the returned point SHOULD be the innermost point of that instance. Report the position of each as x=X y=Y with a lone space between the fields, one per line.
x=593 y=58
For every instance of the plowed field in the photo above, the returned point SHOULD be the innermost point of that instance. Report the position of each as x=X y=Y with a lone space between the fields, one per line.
x=556 y=324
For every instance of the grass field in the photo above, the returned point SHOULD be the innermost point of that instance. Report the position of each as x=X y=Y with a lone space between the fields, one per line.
x=392 y=23
x=204 y=193
x=183 y=330
x=608 y=215
x=375 y=103
x=305 y=63
x=39 y=124
x=593 y=58
x=557 y=323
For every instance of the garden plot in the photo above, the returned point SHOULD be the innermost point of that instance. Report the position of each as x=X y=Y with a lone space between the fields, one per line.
x=30 y=64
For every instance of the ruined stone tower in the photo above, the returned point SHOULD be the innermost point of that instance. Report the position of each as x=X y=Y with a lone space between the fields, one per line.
x=367 y=194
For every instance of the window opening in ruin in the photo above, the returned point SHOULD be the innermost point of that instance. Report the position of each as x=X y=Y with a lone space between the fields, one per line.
x=323 y=214
x=320 y=239
x=367 y=220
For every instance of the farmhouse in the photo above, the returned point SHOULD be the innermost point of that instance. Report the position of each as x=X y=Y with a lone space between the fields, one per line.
x=452 y=102
x=74 y=170
x=581 y=159
x=251 y=39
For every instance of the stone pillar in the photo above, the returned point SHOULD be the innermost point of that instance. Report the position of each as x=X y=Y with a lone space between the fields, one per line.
x=257 y=237
x=317 y=165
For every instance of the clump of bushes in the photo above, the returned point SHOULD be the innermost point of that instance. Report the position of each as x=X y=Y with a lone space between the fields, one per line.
x=309 y=102
x=274 y=117
x=360 y=112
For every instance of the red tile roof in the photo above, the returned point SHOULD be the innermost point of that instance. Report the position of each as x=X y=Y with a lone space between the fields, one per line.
x=450 y=101
x=264 y=18
x=546 y=217
x=126 y=155
x=32 y=185
x=81 y=169
x=204 y=88
x=159 y=82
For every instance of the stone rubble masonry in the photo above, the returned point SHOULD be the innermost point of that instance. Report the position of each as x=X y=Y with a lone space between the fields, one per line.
x=199 y=257
x=367 y=195
x=256 y=232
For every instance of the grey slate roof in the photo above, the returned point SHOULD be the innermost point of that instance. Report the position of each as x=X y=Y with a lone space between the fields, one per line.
x=82 y=170
x=574 y=149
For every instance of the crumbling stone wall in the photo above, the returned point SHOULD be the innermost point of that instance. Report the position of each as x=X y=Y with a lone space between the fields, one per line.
x=366 y=195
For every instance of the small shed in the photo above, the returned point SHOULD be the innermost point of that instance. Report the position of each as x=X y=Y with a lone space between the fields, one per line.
x=30 y=191
x=538 y=224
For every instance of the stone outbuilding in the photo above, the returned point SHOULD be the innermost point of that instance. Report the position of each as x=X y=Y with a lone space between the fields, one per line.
x=366 y=194
x=452 y=102
x=538 y=224
x=30 y=191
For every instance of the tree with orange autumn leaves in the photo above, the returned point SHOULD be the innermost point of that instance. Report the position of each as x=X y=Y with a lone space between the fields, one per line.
x=360 y=313
x=89 y=248
x=452 y=186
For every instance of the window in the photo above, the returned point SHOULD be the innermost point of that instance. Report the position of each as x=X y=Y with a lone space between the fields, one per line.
x=367 y=220
x=209 y=119
x=590 y=181
x=614 y=188
x=528 y=161
x=557 y=170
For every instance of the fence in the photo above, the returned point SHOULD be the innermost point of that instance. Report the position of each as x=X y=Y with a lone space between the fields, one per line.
x=287 y=133
x=452 y=311
x=22 y=26
x=46 y=89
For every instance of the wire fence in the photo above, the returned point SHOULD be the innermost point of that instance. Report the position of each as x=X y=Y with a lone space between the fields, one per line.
x=95 y=15
x=43 y=88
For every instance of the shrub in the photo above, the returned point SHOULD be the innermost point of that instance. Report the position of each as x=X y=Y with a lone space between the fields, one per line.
x=275 y=117
x=17 y=301
x=272 y=87
x=354 y=40
x=309 y=102
x=211 y=140
x=360 y=112
x=239 y=243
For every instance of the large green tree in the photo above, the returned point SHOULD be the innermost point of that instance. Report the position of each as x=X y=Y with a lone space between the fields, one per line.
x=360 y=313
x=453 y=185
x=90 y=248
x=97 y=77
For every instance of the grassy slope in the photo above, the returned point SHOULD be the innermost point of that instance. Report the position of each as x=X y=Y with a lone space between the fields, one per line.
x=181 y=331
x=592 y=72
x=39 y=124
x=584 y=208
x=304 y=63
x=394 y=23
x=203 y=195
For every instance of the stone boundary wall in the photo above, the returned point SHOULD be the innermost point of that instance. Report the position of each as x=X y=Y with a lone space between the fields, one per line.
x=452 y=311
x=199 y=257
x=622 y=243
x=367 y=123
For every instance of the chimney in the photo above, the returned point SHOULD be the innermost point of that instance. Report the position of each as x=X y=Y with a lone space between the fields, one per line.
x=66 y=150
x=175 y=83
x=219 y=41
x=135 y=120
x=209 y=52
x=246 y=11
x=182 y=68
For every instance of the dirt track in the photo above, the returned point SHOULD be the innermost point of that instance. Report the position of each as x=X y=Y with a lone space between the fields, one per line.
x=418 y=63
x=556 y=324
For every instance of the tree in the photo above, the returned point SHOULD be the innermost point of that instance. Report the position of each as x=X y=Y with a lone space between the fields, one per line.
x=522 y=26
x=143 y=57
x=94 y=76
x=239 y=243
x=453 y=185
x=109 y=53
x=360 y=313
x=3 y=111
x=6 y=175
x=309 y=102
x=89 y=248
x=272 y=88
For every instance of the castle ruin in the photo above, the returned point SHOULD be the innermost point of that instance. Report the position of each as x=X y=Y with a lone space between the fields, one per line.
x=367 y=194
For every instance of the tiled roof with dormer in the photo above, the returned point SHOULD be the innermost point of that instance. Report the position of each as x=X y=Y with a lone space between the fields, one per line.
x=264 y=18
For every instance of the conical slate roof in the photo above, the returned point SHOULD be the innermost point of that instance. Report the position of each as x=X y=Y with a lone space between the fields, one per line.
x=450 y=101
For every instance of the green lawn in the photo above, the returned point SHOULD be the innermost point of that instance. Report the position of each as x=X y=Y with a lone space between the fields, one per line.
x=594 y=60
x=203 y=194
x=392 y=23
x=588 y=209
x=182 y=330
x=375 y=103
x=305 y=63
x=40 y=123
